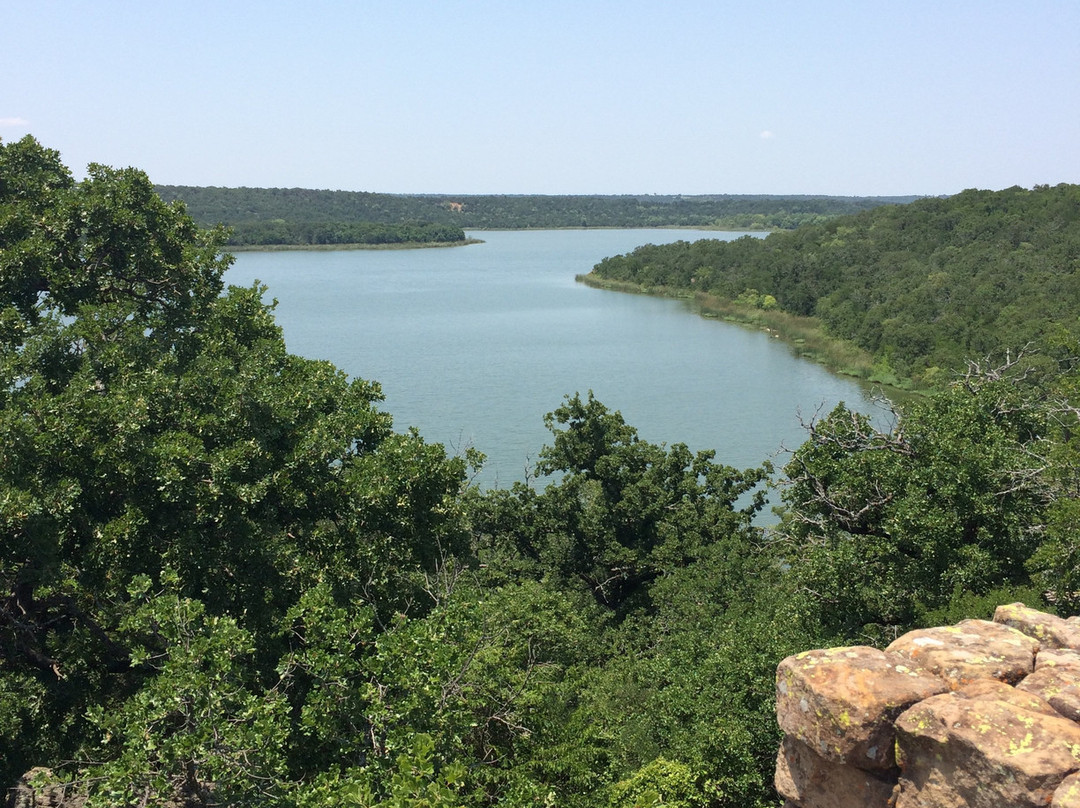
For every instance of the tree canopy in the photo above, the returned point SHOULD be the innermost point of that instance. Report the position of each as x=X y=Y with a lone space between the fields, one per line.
x=922 y=287
x=154 y=428
x=225 y=578
x=260 y=212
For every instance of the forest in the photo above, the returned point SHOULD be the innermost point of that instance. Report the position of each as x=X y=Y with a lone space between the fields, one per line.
x=266 y=216
x=279 y=232
x=227 y=578
x=921 y=287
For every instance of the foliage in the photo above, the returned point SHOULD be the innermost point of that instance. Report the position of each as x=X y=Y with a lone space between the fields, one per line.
x=415 y=783
x=275 y=232
x=625 y=512
x=226 y=579
x=960 y=501
x=659 y=783
x=922 y=287
x=199 y=723
x=264 y=211
x=657 y=539
x=150 y=422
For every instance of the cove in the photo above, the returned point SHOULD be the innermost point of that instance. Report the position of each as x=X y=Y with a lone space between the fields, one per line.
x=473 y=345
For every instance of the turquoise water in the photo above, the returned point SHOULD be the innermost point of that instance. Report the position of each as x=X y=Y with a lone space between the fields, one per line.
x=473 y=345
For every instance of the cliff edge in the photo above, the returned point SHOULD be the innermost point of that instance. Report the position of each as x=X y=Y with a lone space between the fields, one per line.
x=983 y=714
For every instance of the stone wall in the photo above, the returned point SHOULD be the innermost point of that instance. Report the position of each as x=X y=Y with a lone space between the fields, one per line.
x=983 y=714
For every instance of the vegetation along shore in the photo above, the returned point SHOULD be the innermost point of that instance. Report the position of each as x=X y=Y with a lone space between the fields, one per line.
x=301 y=216
x=916 y=288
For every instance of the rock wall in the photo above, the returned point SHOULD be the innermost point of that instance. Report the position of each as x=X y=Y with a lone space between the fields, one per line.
x=983 y=714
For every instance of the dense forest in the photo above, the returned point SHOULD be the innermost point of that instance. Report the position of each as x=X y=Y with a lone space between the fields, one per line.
x=279 y=232
x=921 y=287
x=226 y=578
x=276 y=215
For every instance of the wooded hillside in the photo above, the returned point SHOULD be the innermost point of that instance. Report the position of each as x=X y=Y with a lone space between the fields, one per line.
x=243 y=208
x=922 y=286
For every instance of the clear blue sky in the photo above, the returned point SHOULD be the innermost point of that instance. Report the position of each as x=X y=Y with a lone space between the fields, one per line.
x=452 y=96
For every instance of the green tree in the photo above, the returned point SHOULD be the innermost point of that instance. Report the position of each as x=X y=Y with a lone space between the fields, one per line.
x=920 y=287
x=151 y=420
x=677 y=703
x=224 y=577
x=200 y=728
x=624 y=512
x=884 y=527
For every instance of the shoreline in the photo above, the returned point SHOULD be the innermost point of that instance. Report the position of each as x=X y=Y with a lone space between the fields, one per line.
x=804 y=336
x=709 y=228
x=421 y=245
x=403 y=245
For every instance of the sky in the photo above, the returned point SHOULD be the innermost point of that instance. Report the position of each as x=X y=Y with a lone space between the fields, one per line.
x=550 y=97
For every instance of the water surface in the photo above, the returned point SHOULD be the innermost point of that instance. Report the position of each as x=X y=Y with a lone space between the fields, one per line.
x=473 y=345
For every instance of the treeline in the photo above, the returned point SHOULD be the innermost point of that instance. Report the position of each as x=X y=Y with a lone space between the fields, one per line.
x=225 y=579
x=280 y=232
x=921 y=287
x=244 y=206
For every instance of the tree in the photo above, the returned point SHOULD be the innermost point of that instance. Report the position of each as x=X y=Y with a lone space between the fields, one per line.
x=151 y=420
x=676 y=703
x=883 y=528
x=920 y=287
x=624 y=512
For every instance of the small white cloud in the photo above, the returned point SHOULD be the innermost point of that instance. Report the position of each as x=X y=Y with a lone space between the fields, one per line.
x=13 y=122
x=766 y=135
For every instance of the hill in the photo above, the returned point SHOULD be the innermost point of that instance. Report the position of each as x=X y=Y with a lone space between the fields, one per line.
x=921 y=287
x=256 y=210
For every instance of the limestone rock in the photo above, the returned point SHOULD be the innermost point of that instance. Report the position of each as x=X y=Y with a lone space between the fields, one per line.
x=1068 y=793
x=1051 y=631
x=841 y=702
x=810 y=781
x=1059 y=685
x=970 y=650
x=982 y=753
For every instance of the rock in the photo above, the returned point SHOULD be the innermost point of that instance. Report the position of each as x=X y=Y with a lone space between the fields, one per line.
x=970 y=650
x=841 y=702
x=1068 y=793
x=1057 y=657
x=982 y=753
x=993 y=689
x=1059 y=685
x=1049 y=630
x=811 y=781
x=967 y=739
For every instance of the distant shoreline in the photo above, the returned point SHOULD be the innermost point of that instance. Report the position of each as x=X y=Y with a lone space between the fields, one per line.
x=709 y=227
x=417 y=245
x=404 y=245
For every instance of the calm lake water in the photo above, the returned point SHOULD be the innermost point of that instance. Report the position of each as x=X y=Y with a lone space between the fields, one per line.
x=473 y=345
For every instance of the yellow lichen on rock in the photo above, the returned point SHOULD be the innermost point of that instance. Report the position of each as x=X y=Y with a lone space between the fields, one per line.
x=981 y=714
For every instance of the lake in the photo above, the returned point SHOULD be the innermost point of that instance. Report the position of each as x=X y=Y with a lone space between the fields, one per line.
x=473 y=345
